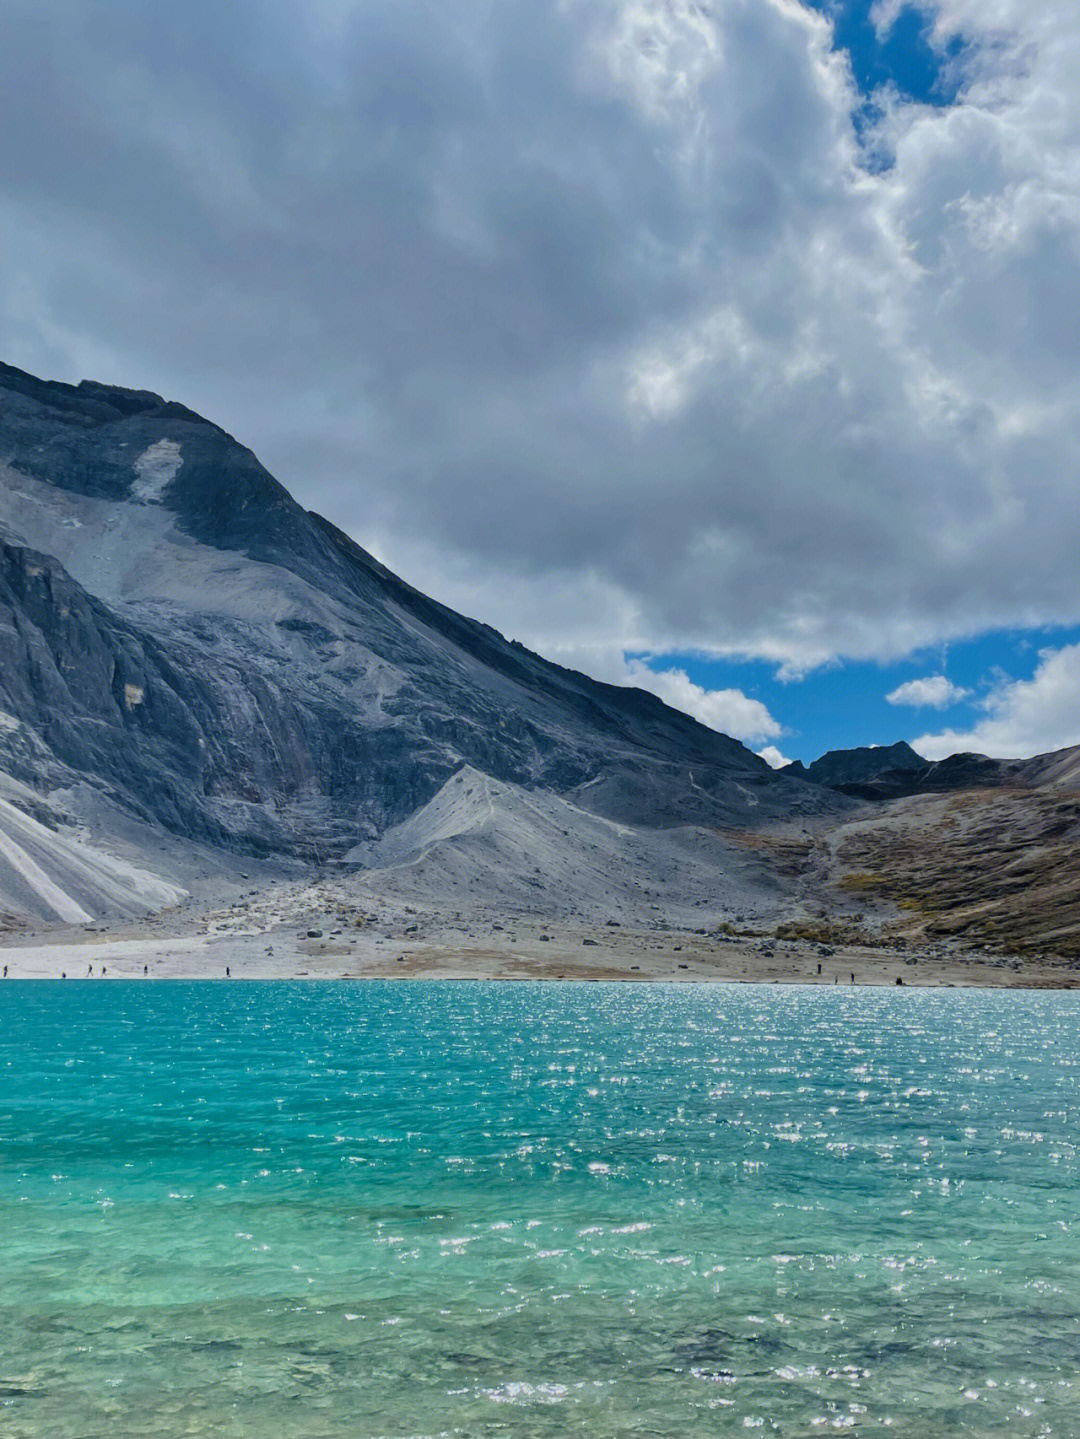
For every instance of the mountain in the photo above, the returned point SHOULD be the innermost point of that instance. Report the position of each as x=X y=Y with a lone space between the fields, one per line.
x=996 y=866
x=880 y=772
x=484 y=845
x=182 y=639
x=204 y=687
x=856 y=770
x=979 y=850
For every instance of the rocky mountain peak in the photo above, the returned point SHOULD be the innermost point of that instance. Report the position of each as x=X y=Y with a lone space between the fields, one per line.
x=259 y=680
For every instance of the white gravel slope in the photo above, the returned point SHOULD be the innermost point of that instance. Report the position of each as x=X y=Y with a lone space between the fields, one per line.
x=48 y=875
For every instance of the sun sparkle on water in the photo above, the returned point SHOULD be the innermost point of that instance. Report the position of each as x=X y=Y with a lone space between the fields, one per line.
x=475 y=1209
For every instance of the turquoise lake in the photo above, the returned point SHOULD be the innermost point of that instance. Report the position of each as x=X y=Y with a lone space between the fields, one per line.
x=523 y=1210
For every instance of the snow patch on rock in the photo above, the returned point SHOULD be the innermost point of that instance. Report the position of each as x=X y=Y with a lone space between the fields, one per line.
x=155 y=468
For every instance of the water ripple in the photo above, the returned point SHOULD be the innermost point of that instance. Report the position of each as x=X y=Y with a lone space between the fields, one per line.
x=464 y=1209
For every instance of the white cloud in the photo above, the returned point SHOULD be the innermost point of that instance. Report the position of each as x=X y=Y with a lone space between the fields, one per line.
x=772 y=756
x=596 y=297
x=730 y=711
x=1023 y=717
x=932 y=692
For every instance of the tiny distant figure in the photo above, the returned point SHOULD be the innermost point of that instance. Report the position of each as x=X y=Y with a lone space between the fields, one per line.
x=146 y=969
x=5 y=971
x=226 y=971
x=899 y=980
x=63 y=974
x=819 y=967
x=853 y=979
x=103 y=969
x=89 y=969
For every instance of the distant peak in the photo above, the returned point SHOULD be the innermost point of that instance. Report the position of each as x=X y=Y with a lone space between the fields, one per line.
x=894 y=756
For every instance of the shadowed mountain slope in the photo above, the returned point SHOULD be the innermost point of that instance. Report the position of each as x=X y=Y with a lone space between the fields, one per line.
x=880 y=772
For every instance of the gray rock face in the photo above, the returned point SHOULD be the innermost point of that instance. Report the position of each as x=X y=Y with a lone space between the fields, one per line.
x=176 y=630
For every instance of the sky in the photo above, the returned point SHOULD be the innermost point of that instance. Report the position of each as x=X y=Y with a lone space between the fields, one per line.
x=729 y=349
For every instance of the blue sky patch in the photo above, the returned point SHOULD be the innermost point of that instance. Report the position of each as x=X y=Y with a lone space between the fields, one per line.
x=843 y=705
x=902 y=56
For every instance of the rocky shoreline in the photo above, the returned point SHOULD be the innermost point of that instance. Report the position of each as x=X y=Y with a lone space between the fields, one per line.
x=407 y=944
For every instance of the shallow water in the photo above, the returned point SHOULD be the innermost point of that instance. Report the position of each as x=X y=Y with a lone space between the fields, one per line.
x=521 y=1210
